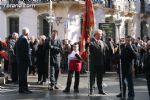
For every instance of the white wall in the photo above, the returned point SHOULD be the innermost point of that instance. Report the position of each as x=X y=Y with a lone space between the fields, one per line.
x=74 y=28
x=137 y=26
x=3 y=25
x=99 y=16
x=137 y=6
x=28 y=18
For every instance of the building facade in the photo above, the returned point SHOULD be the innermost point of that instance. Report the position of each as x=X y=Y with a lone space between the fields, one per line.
x=14 y=15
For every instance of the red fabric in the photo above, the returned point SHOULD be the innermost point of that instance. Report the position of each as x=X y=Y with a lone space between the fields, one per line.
x=84 y=55
x=4 y=54
x=4 y=44
x=75 y=65
x=87 y=24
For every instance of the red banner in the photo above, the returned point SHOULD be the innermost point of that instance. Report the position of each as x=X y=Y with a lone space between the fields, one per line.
x=87 y=24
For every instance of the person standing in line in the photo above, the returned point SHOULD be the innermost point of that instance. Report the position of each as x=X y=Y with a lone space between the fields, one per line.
x=146 y=67
x=127 y=56
x=41 y=67
x=23 y=60
x=54 y=45
x=75 y=64
x=97 y=61
x=12 y=58
x=33 y=44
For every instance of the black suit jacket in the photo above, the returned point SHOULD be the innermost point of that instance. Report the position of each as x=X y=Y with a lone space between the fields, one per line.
x=97 y=53
x=146 y=66
x=22 y=51
x=127 y=55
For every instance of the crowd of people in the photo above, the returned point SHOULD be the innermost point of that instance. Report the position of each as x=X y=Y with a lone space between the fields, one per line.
x=47 y=56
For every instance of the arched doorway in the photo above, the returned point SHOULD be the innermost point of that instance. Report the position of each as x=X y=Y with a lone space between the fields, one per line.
x=43 y=25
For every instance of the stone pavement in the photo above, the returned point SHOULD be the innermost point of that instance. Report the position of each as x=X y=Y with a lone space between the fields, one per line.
x=41 y=92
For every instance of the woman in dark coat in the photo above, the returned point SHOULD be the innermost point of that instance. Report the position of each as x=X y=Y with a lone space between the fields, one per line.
x=40 y=61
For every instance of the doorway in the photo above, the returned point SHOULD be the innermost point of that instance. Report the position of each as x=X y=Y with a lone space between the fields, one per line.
x=13 y=24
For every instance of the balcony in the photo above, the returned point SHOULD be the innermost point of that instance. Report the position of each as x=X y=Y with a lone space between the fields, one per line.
x=43 y=5
x=147 y=9
x=3 y=2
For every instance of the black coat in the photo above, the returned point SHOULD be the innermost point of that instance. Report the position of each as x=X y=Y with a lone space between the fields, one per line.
x=127 y=55
x=22 y=51
x=146 y=67
x=40 y=54
x=97 y=54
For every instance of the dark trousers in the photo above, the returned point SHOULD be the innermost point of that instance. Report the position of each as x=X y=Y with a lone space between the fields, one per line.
x=14 y=72
x=42 y=71
x=6 y=65
x=32 y=69
x=22 y=70
x=69 y=80
x=98 y=74
x=54 y=72
x=128 y=76
x=148 y=82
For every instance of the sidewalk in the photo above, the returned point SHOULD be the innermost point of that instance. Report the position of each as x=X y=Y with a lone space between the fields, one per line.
x=3 y=76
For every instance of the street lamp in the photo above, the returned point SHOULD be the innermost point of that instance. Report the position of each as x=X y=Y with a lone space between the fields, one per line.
x=118 y=22
x=50 y=20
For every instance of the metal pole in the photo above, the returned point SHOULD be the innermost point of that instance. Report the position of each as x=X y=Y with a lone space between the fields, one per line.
x=88 y=65
x=118 y=23
x=50 y=24
x=120 y=70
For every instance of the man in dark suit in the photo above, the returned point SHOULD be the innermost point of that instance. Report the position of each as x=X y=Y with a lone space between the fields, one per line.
x=96 y=59
x=23 y=60
x=147 y=66
x=127 y=56
x=54 y=45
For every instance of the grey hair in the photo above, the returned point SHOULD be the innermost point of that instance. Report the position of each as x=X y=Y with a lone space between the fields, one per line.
x=148 y=42
x=25 y=30
x=97 y=31
x=14 y=34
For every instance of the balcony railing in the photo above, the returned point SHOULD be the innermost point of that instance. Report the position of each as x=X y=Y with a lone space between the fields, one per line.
x=41 y=1
x=46 y=1
x=19 y=3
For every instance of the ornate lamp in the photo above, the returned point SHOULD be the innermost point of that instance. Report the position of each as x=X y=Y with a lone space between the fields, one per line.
x=50 y=20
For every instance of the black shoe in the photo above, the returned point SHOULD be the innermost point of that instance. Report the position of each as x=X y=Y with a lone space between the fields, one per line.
x=130 y=98
x=120 y=95
x=56 y=87
x=25 y=91
x=28 y=91
x=66 y=91
x=76 y=91
x=51 y=88
x=91 y=92
x=101 y=92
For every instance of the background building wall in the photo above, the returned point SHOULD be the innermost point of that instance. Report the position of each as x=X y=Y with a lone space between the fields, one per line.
x=28 y=18
x=3 y=30
x=136 y=26
x=74 y=28
x=99 y=16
